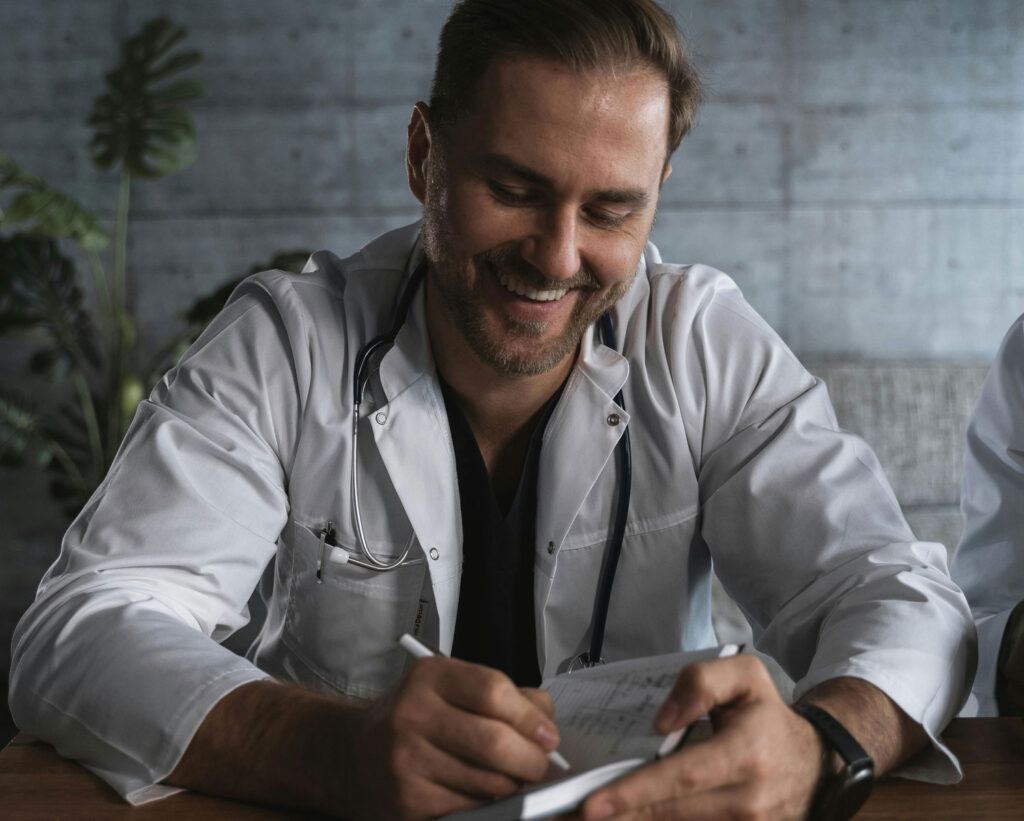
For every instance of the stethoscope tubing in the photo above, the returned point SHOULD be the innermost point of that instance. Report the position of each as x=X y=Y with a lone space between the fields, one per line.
x=610 y=559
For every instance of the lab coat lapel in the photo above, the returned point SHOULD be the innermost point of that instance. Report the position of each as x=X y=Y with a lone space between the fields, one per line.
x=578 y=442
x=412 y=436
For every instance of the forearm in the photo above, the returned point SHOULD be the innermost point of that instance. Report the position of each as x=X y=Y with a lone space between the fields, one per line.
x=275 y=744
x=885 y=732
x=448 y=735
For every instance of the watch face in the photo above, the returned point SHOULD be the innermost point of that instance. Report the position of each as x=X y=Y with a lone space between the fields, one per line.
x=851 y=790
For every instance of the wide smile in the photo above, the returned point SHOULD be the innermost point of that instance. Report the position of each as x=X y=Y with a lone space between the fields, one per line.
x=519 y=288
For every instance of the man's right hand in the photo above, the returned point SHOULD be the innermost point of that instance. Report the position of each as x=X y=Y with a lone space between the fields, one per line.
x=448 y=736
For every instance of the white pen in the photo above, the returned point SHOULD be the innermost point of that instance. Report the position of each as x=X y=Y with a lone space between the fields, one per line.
x=674 y=739
x=418 y=650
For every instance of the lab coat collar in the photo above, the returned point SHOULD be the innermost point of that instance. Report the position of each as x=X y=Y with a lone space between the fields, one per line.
x=411 y=357
x=579 y=433
x=412 y=410
x=580 y=438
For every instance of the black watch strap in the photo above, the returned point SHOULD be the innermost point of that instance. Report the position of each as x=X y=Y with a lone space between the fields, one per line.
x=840 y=794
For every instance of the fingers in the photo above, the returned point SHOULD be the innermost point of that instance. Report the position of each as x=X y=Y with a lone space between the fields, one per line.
x=490 y=694
x=541 y=699
x=449 y=735
x=706 y=685
x=478 y=717
x=417 y=797
x=454 y=773
x=486 y=743
x=733 y=774
x=762 y=761
x=693 y=771
x=711 y=805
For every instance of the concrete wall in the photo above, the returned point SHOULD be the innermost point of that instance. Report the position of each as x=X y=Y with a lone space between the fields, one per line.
x=859 y=167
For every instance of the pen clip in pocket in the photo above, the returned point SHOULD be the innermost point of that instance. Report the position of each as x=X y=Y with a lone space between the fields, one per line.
x=326 y=539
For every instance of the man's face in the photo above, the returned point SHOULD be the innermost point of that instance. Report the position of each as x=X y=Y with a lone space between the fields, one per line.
x=538 y=205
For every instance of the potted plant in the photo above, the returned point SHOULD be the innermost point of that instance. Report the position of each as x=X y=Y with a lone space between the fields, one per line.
x=85 y=348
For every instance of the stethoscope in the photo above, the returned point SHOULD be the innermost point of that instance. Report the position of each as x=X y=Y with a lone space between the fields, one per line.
x=610 y=559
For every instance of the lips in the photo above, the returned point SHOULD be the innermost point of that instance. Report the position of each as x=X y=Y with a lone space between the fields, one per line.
x=523 y=289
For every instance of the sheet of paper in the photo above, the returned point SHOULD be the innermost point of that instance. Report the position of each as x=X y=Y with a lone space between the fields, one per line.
x=605 y=713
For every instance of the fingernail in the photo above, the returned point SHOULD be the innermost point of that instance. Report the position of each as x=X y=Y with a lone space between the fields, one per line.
x=547 y=735
x=602 y=809
x=666 y=715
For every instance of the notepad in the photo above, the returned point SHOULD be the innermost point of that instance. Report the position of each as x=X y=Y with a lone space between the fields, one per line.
x=605 y=716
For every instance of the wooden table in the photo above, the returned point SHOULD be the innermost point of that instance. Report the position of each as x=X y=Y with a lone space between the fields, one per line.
x=36 y=784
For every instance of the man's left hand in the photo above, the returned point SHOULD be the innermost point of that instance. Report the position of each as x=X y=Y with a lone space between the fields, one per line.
x=764 y=761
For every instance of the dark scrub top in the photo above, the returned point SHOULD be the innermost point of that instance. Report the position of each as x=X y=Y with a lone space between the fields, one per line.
x=495 y=623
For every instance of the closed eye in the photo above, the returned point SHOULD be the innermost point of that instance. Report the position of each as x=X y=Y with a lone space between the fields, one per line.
x=603 y=218
x=511 y=196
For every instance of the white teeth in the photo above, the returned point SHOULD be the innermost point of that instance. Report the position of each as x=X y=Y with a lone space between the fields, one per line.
x=522 y=289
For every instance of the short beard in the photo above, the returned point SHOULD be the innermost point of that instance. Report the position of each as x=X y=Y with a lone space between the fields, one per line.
x=512 y=355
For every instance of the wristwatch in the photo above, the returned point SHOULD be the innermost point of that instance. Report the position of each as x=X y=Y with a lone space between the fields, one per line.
x=842 y=793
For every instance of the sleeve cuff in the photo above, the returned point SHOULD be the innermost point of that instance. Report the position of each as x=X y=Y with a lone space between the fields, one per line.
x=935 y=764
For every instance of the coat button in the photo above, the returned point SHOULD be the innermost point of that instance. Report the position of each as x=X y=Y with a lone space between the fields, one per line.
x=614 y=419
x=381 y=417
x=434 y=553
x=551 y=547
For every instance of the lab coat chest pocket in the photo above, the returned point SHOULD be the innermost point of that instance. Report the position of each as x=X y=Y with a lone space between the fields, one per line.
x=344 y=627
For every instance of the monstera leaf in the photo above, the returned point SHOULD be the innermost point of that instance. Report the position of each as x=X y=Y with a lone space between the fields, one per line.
x=21 y=437
x=38 y=289
x=30 y=437
x=49 y=212
x=138 y=122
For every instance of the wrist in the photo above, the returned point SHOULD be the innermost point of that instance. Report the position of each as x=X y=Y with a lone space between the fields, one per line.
x=273 y=743
x=846 y=773
x=323 y=737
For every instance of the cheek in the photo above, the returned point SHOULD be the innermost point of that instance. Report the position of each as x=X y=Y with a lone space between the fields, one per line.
x=616 y=262
x=474 y=222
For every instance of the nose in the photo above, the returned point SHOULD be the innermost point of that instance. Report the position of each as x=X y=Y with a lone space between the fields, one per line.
x=553 y=245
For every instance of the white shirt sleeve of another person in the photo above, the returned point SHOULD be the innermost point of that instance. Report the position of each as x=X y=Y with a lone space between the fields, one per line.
x=989 y=563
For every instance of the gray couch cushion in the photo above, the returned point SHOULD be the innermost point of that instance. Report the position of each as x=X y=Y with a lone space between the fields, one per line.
x=913 y=416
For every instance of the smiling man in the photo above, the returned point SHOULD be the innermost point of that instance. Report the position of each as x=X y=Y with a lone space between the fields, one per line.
x=500 y=351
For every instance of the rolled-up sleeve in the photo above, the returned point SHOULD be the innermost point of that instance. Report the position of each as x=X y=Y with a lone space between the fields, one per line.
x=989 y=563
x=117 y=660
x=808 y=537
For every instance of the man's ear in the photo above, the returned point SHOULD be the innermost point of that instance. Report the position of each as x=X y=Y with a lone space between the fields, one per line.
x=666 y=173
x=417 y=150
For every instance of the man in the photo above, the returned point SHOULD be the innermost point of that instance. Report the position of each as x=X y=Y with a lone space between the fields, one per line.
x=989 y=563
x=486 y=445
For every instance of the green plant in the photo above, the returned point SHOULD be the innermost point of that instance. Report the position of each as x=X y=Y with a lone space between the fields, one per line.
x=141 y=132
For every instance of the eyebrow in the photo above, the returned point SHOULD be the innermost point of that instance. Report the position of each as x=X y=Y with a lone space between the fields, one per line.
x=502 y=163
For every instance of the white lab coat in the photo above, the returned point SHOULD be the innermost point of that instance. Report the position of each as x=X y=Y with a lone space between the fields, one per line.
x=989 y=563
x=242 y=453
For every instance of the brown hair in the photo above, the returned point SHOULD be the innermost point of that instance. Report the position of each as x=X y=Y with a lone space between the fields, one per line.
x=582 y=34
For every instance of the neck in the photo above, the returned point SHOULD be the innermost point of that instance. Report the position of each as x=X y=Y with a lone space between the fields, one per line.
x=500 y=408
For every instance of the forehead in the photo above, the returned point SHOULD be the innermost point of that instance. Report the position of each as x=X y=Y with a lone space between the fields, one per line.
x=605 y=126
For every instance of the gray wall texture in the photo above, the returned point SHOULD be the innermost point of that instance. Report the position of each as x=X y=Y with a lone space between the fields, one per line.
x=858 y=167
